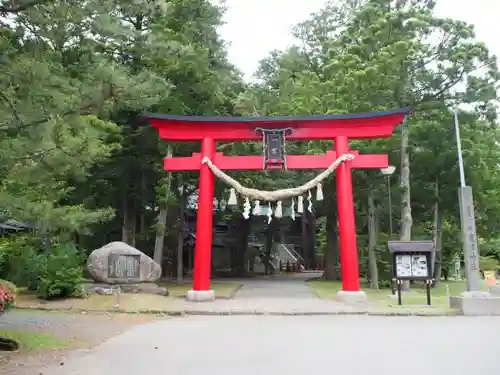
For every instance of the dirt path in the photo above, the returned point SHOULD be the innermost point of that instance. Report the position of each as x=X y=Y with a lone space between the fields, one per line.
x=83 y=331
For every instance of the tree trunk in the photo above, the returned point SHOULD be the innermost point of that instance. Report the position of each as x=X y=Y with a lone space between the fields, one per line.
x=437 y=236
x=311 y=230
x=439 y=250
x=305 y=243
x=142 y=216
x=129 y=220
x=406 y=218
x=372 y=241
x=278 y=236
x=269 y=245
x=435 y=218
x=162 y=217
x=240 y=232
x=332 y=255
x=180 y=241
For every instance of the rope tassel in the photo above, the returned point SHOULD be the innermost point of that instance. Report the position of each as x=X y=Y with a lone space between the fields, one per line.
x=269 y=213
x=256 y=209
x=278 y=213
x=309 y=205
x=300 y=204
x=319 y=192
x=246 y=208
x=232 y=201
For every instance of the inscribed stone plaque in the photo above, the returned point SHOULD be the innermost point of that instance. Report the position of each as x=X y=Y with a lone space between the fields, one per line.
x=469 y=240
x=124 y=266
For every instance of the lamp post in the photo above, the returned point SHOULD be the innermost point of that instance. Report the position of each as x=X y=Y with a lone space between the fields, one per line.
x=459 y=149
x=388 y=172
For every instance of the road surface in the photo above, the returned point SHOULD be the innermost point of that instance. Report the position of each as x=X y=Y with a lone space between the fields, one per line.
x=293 y=345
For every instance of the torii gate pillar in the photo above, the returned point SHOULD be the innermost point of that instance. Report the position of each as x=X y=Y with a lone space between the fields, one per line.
x=340 y=128
x=204 y=224
x=347 y=227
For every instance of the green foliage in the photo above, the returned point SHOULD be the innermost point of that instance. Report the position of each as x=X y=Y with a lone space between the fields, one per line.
x=321 y=241
x=381 y=54
x=59 y=272
x=55 y=272
x=488 y=263
x=491 y=248
x=18 y=255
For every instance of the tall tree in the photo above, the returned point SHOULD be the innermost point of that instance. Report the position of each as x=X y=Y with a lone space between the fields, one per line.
x=356 y=56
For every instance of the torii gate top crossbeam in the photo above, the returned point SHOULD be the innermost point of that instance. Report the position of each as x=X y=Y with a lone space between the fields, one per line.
x=238 y=128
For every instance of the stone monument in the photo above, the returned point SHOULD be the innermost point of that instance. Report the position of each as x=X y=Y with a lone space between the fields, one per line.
x=122 y=265
x=474 y=301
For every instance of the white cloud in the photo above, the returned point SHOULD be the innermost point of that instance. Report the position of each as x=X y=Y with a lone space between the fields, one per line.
x=256 y=27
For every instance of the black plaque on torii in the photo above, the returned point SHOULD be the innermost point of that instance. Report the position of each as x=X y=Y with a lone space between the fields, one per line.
x=273 y=142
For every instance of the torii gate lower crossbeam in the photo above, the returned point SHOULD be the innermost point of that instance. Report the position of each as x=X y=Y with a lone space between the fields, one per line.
x=341 y=128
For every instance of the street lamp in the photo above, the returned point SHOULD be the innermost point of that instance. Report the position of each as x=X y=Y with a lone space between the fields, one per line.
x=388 y=172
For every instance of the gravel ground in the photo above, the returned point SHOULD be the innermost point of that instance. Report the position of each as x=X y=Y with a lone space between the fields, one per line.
x=84 y=331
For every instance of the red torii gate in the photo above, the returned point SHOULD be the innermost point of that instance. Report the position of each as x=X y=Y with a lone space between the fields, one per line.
x=339 y=128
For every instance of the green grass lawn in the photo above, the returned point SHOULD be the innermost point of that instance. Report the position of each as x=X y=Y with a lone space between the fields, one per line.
x=34 y=340
x=222 y=290
x=412 y=300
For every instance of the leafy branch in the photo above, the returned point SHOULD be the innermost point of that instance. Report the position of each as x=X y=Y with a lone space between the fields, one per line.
x=12 y=7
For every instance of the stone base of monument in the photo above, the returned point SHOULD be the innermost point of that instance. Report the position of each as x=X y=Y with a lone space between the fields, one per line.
x=200 y=295
x=108 y=289
x=476 y=304
x=495 y=290
x=351 y=297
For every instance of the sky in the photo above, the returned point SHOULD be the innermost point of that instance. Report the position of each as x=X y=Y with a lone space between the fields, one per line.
x=256 y=27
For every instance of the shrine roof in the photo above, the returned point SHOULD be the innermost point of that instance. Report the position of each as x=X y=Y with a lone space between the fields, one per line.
x=274 y=119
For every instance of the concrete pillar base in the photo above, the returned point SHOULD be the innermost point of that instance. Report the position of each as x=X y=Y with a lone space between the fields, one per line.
x=200 y=295
x=475 y=294
x=351 y=297
x=476 y=305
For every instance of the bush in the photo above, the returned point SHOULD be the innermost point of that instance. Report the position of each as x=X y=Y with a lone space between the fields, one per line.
x=53 y=273
x=7 y=295
x=59 y=272
x=17 y=255
x=488 y=263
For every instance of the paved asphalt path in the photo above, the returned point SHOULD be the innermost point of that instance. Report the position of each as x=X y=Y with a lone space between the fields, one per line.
x=265 y=345
x=275 y=288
